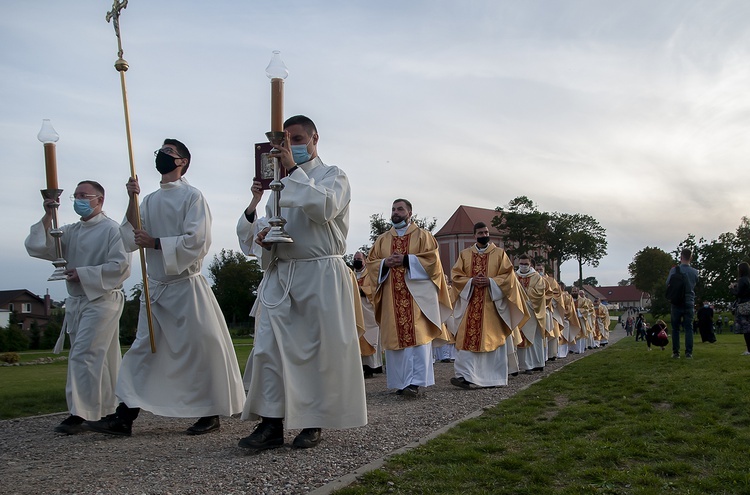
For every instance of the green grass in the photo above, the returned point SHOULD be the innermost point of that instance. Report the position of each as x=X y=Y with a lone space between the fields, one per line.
x=40 y=389
x=621 y=421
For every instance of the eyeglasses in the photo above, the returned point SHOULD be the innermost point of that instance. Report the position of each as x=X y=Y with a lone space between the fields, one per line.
x=73 y=197
x=168 y=151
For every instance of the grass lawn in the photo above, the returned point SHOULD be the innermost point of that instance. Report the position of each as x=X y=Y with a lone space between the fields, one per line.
x=40 y=389
x=620 y=421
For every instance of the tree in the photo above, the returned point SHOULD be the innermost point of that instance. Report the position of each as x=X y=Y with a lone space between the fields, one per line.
x=129 y=317
x=649 y=270
x=592 y=281
x=624 y=282
x=556 y=237
x=586 y=241
x=236 y=281
x=523 y=225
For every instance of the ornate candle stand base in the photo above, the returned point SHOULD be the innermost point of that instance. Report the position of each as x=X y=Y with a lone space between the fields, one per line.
x=60 y=263
x=277 y=233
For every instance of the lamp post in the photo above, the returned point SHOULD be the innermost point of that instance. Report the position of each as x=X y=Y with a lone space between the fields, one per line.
x=277 y=72
x=48 y=136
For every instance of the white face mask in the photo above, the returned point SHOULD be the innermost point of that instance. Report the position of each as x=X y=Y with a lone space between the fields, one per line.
x=523 y=268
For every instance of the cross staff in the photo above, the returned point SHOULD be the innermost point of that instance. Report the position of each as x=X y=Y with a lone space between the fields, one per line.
x=121 y=65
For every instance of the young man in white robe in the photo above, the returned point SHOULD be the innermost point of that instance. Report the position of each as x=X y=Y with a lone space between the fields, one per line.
x=304 y=371
x=372 y=362
x=97 y=266
x=194 y=371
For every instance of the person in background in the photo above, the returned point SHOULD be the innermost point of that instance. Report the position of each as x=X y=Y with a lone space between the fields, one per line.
x=741 y=289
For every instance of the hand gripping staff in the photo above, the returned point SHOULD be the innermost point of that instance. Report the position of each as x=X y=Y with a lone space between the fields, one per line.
x=121 y=65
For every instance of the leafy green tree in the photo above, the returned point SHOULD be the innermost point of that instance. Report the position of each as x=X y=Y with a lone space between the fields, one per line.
x=35 y=334
x=556 y=237
x=649 y=269
x=236 y=279
x=586 y=242
x=524 y=227
x=592 y=281
x=624 y=282
x=52 y=330
x=129 y=317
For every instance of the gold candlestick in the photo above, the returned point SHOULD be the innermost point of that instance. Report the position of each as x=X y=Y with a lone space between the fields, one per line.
x=48 y=136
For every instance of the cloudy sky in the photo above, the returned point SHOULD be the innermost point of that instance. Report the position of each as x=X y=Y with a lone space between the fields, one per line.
x=636 y=112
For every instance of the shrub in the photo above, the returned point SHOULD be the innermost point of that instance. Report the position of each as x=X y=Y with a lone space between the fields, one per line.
x=10 y=357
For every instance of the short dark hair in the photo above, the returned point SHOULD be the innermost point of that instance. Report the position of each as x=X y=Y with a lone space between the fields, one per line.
x=181 y=150
x=405 y=201
x=526 y=257
x=686 y=254
x=744 y=269
x=479 y=225
x=95 y=185
x=307 y=124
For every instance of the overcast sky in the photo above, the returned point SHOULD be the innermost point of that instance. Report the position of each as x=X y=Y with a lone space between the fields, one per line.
x=633 y=112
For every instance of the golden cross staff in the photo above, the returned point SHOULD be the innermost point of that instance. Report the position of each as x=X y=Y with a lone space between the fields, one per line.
x=121 y=65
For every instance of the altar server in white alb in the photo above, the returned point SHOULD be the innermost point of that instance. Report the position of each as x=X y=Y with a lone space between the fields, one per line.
x=304 y=371
x=371 y=350
x=194 y=372
x=97 y=266
x=490 y=304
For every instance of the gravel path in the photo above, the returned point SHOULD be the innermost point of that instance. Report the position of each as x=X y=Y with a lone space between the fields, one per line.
x=160 y=459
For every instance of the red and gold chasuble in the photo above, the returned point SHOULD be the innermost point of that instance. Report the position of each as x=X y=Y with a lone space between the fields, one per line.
x=402 y=297
x=475 y=311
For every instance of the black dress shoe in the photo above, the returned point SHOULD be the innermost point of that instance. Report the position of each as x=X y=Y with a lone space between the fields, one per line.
x=111 y=425
x=267 y=435
x=71 y=425
x=411 y=391
x=461 y=383
x=204 y=425
x=515 y=373
x=307 y=438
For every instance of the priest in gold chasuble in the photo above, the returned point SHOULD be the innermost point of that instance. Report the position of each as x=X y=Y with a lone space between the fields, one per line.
x=489 y=305
x=411 y=300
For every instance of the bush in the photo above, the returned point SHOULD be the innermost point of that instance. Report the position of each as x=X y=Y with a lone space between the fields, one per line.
x=10 y=357
x=14 y=339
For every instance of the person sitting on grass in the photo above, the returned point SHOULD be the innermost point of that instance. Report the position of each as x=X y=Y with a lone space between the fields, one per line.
x=655 y=336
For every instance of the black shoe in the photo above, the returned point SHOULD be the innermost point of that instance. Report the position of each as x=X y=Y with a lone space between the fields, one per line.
x=368 y=371
x=527 y=372
x=71 y=425
x=446 y=360
x=553 y=358
x=205 y=424
x=378 y=370
x=515 y=373
x=307 y=438
x=111 y=425
x=538 y=368
x=411 y=391
x=461 y=382
x=267 y=435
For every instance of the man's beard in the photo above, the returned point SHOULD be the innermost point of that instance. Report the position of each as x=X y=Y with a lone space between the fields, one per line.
x=397 y=219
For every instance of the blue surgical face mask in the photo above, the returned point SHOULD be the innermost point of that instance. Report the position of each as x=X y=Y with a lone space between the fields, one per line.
x=400 y=225
x=83 y=207
x=300 y=153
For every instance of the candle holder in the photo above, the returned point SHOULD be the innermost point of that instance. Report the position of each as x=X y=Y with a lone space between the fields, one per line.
x=277 y=234
x=60 y=263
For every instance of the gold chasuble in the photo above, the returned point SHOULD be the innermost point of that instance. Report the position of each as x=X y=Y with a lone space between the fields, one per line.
x=397 y=299
x=571 y=315
x=482 y=327
x=364 y=290
x=536 y=291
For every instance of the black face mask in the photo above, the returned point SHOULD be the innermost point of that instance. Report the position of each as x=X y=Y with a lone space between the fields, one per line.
x=483 y=241
x=575 y=296
x=358 y=264
x=165 y=163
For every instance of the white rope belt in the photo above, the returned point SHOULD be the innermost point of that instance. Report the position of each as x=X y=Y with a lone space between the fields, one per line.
x=289 y=278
